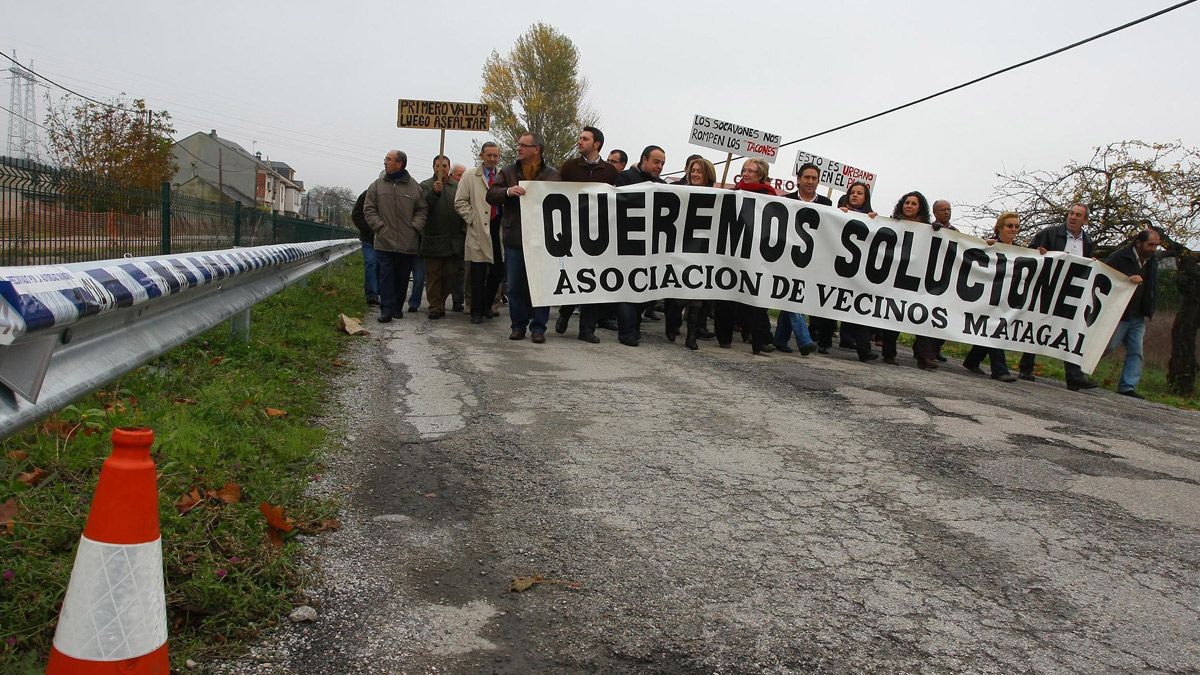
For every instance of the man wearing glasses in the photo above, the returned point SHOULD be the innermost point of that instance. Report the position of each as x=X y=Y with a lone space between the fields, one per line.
x=506 y=192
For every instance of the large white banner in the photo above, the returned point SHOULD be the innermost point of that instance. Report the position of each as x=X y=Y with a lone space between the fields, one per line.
x=587 y=243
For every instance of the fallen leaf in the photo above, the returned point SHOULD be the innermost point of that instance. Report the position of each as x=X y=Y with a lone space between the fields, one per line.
x=59 y=428
x=275 y=412
x=189 y=558
x=323 y=525
x=351 y=325
x=216 y=360
x=275 y=517
x=188 y=501
x=17 y=455
x=185 y=401
x=338 y=363
x=522 y=584
x=331 y=292
x=8 y=511
x=275 y=537
x=32 y=478
x=429 y=495
x=231 y=493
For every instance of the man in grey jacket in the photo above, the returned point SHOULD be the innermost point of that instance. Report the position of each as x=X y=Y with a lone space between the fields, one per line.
x=396 y=212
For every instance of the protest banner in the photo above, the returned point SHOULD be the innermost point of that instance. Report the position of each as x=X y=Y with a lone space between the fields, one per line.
x=442 y=115
x=712 y=133
x=589 y=243
x=834 y=174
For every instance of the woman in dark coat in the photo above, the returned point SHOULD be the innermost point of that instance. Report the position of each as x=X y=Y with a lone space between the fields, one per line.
x=858 y=200
x=913 y=208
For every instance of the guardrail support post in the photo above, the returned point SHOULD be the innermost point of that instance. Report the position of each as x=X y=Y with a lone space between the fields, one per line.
x=240 y=325
x=237 y=223
x=166 y=218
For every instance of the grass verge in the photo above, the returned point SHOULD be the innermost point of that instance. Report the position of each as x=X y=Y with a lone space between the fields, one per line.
x=229 y=418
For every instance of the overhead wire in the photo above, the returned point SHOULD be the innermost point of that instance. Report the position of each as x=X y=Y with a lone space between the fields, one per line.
x=976 y=80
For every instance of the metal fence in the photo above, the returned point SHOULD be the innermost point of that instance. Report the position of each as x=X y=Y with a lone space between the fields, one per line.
x=48 y=216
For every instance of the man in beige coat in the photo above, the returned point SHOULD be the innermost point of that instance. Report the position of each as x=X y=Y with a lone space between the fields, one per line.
x=396 y=211
x=483 y=249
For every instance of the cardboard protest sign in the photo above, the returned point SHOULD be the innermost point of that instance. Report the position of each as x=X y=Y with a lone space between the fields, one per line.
x=588 y=243
x=414 y=114
x=733 y=138
x=834 y=174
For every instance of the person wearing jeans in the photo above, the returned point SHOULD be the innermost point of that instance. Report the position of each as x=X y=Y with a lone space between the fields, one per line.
x=789 y=324
x=521 y=311
x=1139 y=262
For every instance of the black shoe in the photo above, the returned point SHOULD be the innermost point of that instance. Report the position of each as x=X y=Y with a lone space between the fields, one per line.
x=651 y=316
x=690 y=341
x=869 y=356
x=384 y=318
x=671 y=335
x=703 y=334
x=607 y=324
x=1085 y=383
x=847 y=345
x=767 y=348
x=1028 y=377
x=974 y=369
x=808 y=349
x=373 y=300
x=412 y=309
x=560 y=326
x=1131 y=393
x=1006 y=377
x=457 y=308
x=784 y=348
x=940 y=358
x=477 y=319
x=590 y=338
x=724 y=345
x=436 y=315
x=630 y=342
x=891 y=360
x=822 y=350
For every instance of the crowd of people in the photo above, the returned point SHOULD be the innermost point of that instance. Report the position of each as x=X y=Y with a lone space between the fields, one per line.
x=457 y=236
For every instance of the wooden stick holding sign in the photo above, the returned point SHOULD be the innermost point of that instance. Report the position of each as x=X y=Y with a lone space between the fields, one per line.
x=713 y=133
x=442 y=115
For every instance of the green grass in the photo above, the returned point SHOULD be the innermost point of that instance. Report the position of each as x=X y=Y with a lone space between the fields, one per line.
x=206 y=402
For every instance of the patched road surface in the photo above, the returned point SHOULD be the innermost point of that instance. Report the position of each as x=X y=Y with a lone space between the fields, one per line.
x=717 y=512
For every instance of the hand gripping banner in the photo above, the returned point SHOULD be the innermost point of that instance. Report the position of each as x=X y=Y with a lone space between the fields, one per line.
x=589 y=243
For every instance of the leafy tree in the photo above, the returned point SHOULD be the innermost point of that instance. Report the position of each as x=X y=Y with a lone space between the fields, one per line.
x=1125 y=185
x=118 y=140
x=537 y=88
x=331 y=204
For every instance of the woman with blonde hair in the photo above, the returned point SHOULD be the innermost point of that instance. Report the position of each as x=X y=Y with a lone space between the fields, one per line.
x=1008 y=224
x=699 y=173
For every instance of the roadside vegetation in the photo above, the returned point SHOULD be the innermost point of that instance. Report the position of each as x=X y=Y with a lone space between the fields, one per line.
x=235 y=445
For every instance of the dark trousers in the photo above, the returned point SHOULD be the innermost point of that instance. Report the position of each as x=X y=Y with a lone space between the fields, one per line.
x=924 y=347
x=858 y=336
x=485 y=281
x=888 y=338
x=394 y=270
x=439 y=281
x=822 y=330
x=589 y=315
x=1073 y=372
x=755 y=321
x=673 y=310
x=629 y=320
x=994 y=354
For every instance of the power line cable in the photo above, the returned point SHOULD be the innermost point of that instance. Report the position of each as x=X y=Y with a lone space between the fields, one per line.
x=83 y=96
x=22 y=117
x=977 y=80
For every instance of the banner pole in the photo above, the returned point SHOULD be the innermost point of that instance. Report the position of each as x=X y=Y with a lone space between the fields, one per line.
x=441 y=152
x=725 y=173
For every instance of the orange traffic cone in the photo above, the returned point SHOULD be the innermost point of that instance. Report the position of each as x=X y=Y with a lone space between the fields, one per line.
x=114 y=617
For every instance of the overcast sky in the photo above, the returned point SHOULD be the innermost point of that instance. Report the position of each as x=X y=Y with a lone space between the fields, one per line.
x=315 y=84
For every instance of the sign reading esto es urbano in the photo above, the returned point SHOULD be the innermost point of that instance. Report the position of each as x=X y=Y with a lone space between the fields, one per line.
x=834 y=174
x=729 y=137
x=415 y=114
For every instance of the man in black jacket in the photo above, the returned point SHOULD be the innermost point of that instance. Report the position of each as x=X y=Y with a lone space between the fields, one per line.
x=1073 y=239
x=647 y=170
x=1139 y=262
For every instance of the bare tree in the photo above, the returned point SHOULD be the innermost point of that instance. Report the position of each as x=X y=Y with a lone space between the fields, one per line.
x=118 y=140
x=537 y=88
x=1125 y=185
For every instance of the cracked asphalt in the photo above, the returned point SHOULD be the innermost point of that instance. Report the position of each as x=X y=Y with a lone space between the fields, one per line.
x=717 y=512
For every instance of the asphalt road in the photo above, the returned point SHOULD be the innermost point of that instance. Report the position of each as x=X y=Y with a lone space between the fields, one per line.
x=717 y=512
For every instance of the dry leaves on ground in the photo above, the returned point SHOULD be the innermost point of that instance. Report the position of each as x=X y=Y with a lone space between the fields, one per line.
x=277 y=523
x=32 y=478
x=231 y=493
x=188 y=501
x=351 y=325
x=17 y=455
x=275 y=412
x=8 y=512
x=522 y=584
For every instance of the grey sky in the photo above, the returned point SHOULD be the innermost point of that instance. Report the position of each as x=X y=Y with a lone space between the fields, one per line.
x=315 y=84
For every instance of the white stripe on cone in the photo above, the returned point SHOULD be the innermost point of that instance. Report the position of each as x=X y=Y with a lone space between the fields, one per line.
x=115 y=608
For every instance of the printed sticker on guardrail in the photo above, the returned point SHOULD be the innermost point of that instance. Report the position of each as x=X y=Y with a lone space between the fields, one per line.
x=41 y=297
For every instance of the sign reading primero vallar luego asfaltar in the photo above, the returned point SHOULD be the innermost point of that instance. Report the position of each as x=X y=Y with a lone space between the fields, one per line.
x=415 y=114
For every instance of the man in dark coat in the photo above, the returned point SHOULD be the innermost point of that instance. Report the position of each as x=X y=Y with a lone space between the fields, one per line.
x=1074 y=239
x=367 y=237
x=506 y=192
x=443 y=238
x=1139 y=262
x=588 y=167
x=647 y=170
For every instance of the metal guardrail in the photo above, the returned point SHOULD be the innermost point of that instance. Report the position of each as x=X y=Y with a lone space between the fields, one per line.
x=66 y=330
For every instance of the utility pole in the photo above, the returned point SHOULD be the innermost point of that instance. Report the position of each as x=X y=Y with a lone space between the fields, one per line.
x=22 y=124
